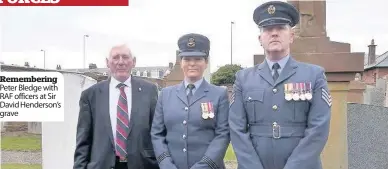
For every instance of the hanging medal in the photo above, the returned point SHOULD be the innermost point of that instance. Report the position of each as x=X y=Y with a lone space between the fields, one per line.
x=295 y=95
x=309 y=95
x=302 y=91
x=204 y=114
x=211 y=112
x=287 y=91
x=204 y=110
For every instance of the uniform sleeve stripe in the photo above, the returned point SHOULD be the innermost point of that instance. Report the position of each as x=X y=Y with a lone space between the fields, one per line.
x=327 y=101
x=324 y=92
x=326 y=97
x=162 y=157
x=210 y=162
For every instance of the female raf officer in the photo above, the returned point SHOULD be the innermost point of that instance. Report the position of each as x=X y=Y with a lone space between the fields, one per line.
x=190 y=128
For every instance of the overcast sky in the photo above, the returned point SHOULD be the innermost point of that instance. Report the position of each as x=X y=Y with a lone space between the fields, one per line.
x=152 y=28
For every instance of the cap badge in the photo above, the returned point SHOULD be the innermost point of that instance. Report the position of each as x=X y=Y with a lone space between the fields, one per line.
x=191 y=42
x=271 y=9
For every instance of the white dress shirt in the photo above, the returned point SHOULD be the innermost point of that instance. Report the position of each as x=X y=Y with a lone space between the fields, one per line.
x=114 y=94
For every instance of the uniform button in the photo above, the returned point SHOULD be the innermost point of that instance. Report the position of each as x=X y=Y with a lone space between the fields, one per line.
x=186 y=108
x=184 y=136
x=274 y=90
x=184 y=122
x=184 y=150
x=274 y=107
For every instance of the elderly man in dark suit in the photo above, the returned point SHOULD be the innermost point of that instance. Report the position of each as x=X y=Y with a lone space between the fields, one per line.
x=115 y=118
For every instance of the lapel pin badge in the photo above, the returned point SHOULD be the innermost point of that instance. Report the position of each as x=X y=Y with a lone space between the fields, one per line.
x=139 y=89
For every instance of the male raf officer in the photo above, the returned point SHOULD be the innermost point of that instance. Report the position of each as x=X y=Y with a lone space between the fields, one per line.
x=190 y=128
x=280 y=109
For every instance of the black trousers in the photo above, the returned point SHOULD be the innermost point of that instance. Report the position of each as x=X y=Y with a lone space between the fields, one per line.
x=120 y=165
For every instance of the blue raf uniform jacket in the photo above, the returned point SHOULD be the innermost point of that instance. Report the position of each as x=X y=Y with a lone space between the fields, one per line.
x=182 y=139
x=270 y=132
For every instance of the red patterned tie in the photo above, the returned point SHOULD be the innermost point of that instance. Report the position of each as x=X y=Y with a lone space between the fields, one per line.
x=122 y=124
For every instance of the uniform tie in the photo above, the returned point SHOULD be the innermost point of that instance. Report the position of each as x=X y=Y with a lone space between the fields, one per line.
x=190 y=95
x=275 y=68
x=122 y=128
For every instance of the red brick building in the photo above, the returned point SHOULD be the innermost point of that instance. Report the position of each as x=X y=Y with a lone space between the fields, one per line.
x=375 y=67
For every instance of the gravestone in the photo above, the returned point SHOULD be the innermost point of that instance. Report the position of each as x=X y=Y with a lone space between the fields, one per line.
x=2 y=124
x=381 y=84
x=367 y=136
x=356 y=91
x=58 y=138
x=35 y=127
x=374 y=96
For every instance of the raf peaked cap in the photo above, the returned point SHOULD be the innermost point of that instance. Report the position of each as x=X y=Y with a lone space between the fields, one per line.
x=276 y=13
x=193 y=45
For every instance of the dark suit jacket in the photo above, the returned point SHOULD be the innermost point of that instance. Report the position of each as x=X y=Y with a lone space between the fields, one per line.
x=94 y=142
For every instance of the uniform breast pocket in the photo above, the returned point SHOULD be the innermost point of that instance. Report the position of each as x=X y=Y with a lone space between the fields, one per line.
x=301 y=109
x=254 y=105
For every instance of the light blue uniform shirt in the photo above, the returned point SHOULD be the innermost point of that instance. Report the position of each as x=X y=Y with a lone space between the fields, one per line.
x=196 y=84
x=282 y=62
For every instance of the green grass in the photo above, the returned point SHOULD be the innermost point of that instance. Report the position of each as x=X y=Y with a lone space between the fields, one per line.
x=229 y=156
x=21 y=143
x=21 y=166
x=33 y=143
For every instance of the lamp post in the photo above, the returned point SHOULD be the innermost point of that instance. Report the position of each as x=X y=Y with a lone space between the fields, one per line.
x=231 y=42
x=44 y=58
x=84 y=50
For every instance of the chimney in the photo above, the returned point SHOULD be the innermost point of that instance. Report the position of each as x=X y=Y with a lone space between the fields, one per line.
x=372 y=53
x=178 y=59
x=170 y=65
x=92 y=66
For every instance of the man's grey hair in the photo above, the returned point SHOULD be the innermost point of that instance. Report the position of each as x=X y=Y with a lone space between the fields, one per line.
x=122 y=44
x=288 y=26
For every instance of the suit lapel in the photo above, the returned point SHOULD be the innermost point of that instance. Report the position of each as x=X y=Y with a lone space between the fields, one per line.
x=103 y=107
x=265 y=72
x=136 y=95
x=200 y=92
x=288 y=71
x=181 y=93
